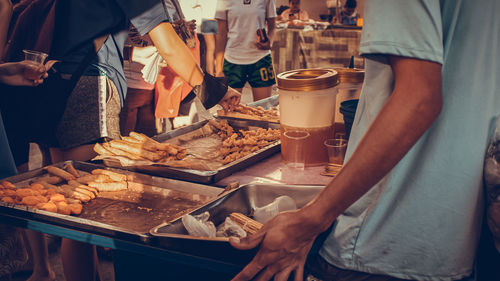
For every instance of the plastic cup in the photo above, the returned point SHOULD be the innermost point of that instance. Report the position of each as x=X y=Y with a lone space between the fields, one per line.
x=336 y=150
x=296 y=157
x=35 y=56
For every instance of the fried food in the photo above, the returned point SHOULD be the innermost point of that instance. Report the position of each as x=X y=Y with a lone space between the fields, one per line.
x=249 y=225
x=83 y=186
x=60 y=173
x=33 y=200
x=49 y=206
x=7 y=184
x=7 y=199
x=87 y=178
x=109 y=186
x=51 y=179
x=71 y=169
x=75 y=208
x=114 y=176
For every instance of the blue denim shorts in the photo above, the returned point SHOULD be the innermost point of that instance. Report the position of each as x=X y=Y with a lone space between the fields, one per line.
x=208 y=26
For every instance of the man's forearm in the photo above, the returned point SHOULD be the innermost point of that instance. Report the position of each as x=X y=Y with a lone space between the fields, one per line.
x=411 y=109
x=176 y=53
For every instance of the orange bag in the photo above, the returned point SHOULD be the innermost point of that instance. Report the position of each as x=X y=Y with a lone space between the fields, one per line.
x=170 y=89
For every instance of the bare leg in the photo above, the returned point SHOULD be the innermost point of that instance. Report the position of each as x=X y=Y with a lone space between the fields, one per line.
x=210 y=53
x=79 y=261
x=79 y=153
x=39 y=254
x=261 y=93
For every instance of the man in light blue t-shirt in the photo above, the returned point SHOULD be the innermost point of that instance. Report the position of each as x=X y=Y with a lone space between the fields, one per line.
x=409 y=200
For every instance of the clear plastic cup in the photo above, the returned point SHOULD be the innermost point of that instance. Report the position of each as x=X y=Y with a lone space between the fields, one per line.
x=295 y=152
x=336 y=150
x=35 y=56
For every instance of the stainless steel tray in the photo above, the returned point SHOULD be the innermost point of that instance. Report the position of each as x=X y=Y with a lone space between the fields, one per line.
x=174 y=236
x=127 y=215
x=207 y=177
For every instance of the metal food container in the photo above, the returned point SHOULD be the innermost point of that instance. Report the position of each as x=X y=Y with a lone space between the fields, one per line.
x=125 y=215
x=212 y=176
x=243 y=200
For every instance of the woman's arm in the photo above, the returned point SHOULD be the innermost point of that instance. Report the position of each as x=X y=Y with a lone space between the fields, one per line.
x=220 y=46
x=176 y=53
x=5 y=15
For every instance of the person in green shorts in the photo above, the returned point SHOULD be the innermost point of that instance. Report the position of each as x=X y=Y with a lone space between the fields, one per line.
x=240 y=54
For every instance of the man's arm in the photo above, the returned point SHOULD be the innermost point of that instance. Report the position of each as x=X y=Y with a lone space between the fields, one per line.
x=220 y=46
x=414 y=104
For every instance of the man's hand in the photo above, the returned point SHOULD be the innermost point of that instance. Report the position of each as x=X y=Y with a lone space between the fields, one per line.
x=285 y=242
x=263 y=45
x=24 y=73
x=231 y=99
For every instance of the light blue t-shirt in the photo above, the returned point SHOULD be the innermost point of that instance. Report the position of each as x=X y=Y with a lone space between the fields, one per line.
x=422 y=220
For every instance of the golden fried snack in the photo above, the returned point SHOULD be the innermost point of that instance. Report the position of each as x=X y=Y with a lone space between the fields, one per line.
x=119 y=152
x=249 y=225
x=33 y=200
x=79 y=185
x=78 y=193
x=60 y=173
x=49 y=206
x=37 y=186
x=7 y=184
x=7 y=199
x=101 y=150
x=114 y=176
x=23 y=192
x=68 y=191
x=71 y=169
x=137 y=150
x=63 y=208
x=9 y=192
x=50 y=179
x=76 y=208
x=86 y=179
x=57 y=197
x=109 y=186
x=73 y=201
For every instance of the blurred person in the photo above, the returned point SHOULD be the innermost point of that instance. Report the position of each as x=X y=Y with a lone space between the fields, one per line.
x=348 y=15
x=13 y=255
x=408 y=202
x=294 y=12
x=137 y=114
x=71 y=125
x=241 y=55
x=208 y=30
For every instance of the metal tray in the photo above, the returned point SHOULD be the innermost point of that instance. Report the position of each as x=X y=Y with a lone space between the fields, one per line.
x=174 y=236
x=207 y=177
x=123 y=214
x=266 y=103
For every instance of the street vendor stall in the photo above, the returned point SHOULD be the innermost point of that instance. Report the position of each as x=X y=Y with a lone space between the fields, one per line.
x=308 y=47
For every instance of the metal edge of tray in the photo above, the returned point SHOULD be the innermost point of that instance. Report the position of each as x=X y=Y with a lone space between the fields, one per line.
x=218 y=247
x=220 y=200
x=79 y=224
x=210 y=177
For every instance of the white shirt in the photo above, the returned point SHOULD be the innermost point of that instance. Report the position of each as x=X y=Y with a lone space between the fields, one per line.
x=243 y=20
